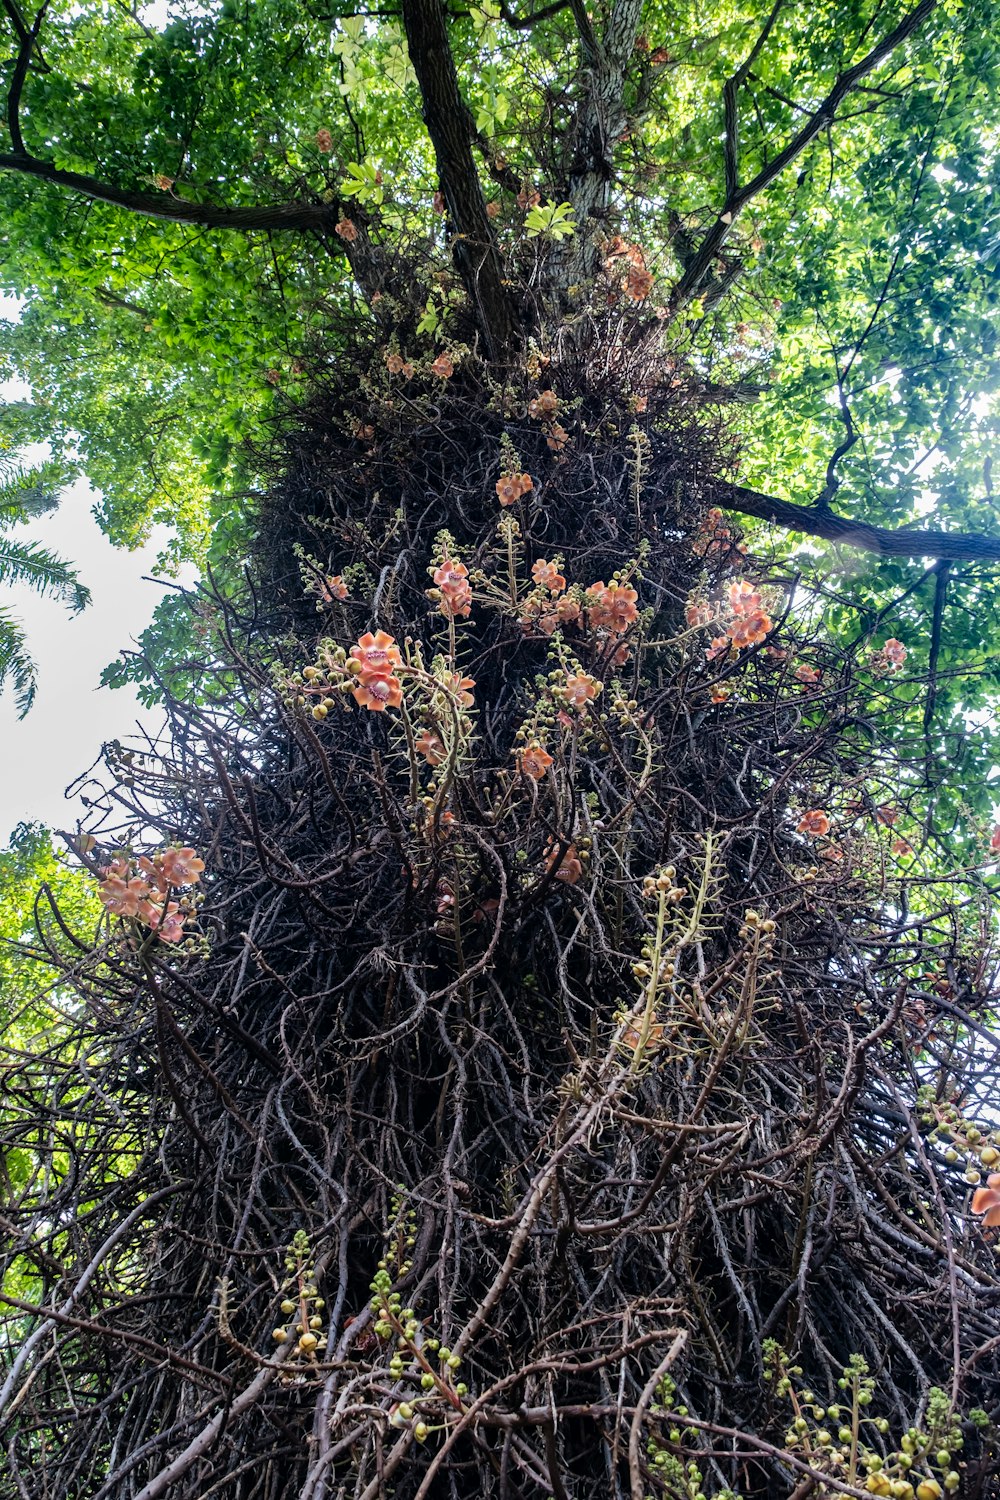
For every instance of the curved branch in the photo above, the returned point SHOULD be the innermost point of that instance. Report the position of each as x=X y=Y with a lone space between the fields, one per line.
x=819 y=119
x=812 y=520
x=295 y=215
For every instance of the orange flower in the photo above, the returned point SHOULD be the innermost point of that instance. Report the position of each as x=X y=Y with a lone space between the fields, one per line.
x=437 y=202
x=814 y=823
x=567 y=609
x=443 y=367
x=324 y=140
x=699 y=612
x=431 y=747
x=557 y=437
x=535 y=761
x=638 y=284
x=986 y=1201
x=347 y=230
x=632 y=1035
x=719 y=694
x=568 y=868
x=181 y=866
x=902 y=847
x=611 y=605
x=332 y=588
x=509 y=489
x=719 y=647
x=379 y=693
x=528 y=197
x=545 y=405
x=492 y=209
x=378 y=655
x=547 y=576
x=462 y=688
x=886 y=814
x=163 y=182
x=452 y=578
x=995 y=838
x=394 y=363
x=579 y=690
x=752 y=630
x=895 y=651
x=808 y=676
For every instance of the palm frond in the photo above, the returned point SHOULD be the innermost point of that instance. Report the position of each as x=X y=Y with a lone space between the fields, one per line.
x=41 y=570
x=16 y=666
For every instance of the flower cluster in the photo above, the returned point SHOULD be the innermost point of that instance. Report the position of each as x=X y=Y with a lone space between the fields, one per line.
x=140 y=889
x=301 y=1300
x=544 y=408
x=749 y=624
x=373 y=661
x=397 y=365
x=452 y=591
x=889 y=658
x=715 y=540
x=611 y=607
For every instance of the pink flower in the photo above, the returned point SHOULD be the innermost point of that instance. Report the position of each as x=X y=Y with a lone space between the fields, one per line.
x=895 y=651
x=181 y=866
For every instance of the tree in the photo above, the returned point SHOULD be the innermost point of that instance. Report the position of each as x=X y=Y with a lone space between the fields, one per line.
x=542 y=1036
x=22 y=496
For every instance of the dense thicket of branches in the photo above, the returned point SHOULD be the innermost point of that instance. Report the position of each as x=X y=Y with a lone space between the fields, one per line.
x=425 y=1037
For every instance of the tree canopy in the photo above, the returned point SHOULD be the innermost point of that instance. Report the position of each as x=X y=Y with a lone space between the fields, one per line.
x=541 y=1035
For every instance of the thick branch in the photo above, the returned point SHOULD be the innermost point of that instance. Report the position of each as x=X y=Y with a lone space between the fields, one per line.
x=968 y=546
x=452 y=131
x=166 y=206
x=738 y=198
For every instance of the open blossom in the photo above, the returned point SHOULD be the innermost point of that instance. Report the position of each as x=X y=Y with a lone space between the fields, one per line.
x=700 y=612
x=566 y=867
x=557 y=437
x=452 y=579
x=719 y=694
x=510 y=487
x=324 y=140
x=378 y=693
x=431 y=747
x=347 y=230
x=815 y=823
x=895 y=651
x=332 y=588
x=545 y=405
x=377 y=655
x=579 y=690
x=995 y=839
x=611 y=606
x=719 y=647
x=181 y=866
x=535 y=761
x=807 y=675
x=986 y=1201
x=443 y=367
x=121 y=897
x=547 y=576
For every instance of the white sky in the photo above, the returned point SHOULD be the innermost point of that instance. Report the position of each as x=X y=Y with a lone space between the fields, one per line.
x=72 y=715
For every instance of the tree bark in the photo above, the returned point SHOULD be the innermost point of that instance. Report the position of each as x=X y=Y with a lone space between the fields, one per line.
x=452 y=131
x=817 y=520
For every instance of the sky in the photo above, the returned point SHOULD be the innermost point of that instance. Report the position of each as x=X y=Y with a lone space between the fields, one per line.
x=73 y=715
